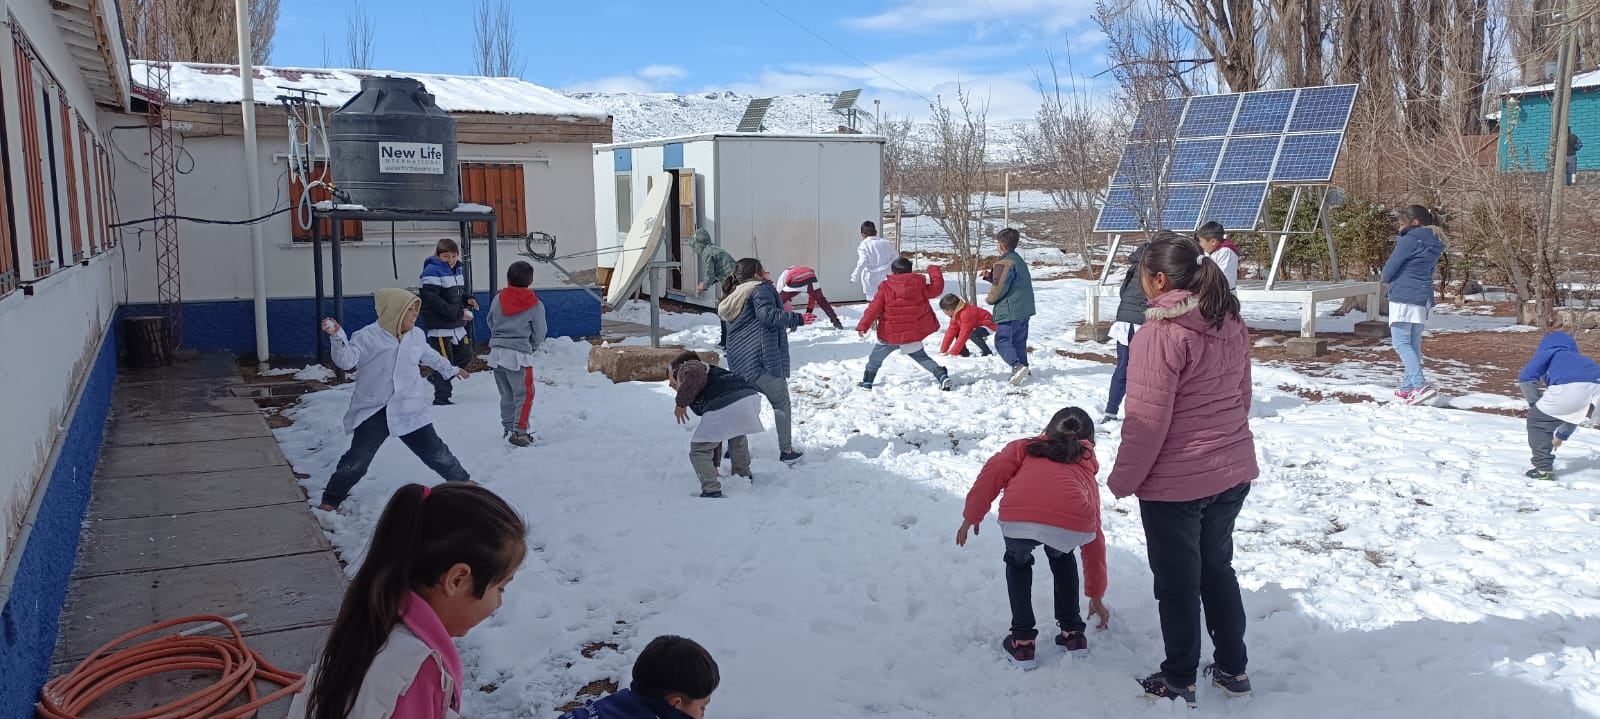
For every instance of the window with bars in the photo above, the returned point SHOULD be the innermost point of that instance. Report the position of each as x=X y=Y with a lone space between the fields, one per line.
x=86 y=177
x=32 y=160
x=497 y=185
x=10 y=278
x=74 y=222
x=351 y=229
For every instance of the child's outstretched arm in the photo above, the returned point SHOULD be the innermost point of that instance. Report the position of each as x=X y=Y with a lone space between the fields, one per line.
x=1094 y=577
x=994 y=476
x=346 y=354
x=441 y=364
x=935 y=286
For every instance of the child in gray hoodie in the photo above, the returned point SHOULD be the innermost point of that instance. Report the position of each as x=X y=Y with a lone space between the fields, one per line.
x=516 y=328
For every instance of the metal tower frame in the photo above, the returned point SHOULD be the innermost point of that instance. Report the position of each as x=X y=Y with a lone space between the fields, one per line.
x=164 y=179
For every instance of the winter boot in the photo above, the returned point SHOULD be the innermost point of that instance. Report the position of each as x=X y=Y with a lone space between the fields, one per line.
x=866 y=379
x=1234 y=685
x=1019 y=652
x=1157 y=686
x=1537 y=473
x=519 y=438
x=1074 y=643
x=945 y=383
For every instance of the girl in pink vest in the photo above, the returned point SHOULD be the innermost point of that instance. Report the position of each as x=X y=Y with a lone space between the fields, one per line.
x=438 y=564
x=1188 y=455
x=1051 y=499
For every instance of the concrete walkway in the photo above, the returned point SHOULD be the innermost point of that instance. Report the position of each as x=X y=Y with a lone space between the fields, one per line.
x=195 y=511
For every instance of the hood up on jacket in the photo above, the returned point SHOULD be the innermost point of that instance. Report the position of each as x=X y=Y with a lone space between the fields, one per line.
x=700 y=241
x=393 y=304
x=731 y=306
x=516 y=300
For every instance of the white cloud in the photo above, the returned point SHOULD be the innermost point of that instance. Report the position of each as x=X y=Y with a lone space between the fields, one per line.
x=1049 y=15
x=650 y=78
x=662 y=72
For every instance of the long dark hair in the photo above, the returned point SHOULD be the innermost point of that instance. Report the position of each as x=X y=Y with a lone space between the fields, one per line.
x=1064 y=437
x=422 y=533
x=1185 y=264
x=744 y=270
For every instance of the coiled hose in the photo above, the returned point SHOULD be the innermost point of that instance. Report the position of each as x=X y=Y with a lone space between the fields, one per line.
x=240 y=667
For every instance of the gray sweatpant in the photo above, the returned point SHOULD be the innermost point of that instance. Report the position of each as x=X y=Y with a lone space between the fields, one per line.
x=1542 y=428
x=516 y=397
x=776 y=390
x=705 y=455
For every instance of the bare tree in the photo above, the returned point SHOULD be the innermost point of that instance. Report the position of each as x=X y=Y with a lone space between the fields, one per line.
x=327 y=52
x=197 y=30
x=1231 y=32
x=494 y=40
x=897 y=164
x=951 y=177
x=358 y=37
x=1074 y=147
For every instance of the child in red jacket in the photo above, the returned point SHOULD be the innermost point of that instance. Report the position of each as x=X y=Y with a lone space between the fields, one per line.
x=1051 y=498
x=905 y=319
x=966 y=322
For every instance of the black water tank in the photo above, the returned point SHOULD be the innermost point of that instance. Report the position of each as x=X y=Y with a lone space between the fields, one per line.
x=394 y=149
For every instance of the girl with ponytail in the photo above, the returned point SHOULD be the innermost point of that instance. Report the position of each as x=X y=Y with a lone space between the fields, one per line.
x=1188 y=455
x=437 y=565
x=1050 y=498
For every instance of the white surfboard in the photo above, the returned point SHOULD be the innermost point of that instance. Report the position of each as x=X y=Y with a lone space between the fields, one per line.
x=644 y=240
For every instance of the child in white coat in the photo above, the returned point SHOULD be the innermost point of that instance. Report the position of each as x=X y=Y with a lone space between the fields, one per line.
x=873 y=257
x=390 y=397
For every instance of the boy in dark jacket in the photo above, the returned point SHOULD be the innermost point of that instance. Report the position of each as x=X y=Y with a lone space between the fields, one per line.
x=1011 y=295
x=904 y=319
x=516 y=329
x=446 y=310
x=966 y=322
x=1571 y=390
x=672 y=679
x=1130 y=314
x=729 y=408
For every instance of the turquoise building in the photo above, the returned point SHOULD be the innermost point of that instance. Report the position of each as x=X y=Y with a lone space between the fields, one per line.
x=1524 y=120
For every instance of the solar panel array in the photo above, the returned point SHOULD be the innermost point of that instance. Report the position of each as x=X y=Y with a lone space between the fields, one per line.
x=1214 y=157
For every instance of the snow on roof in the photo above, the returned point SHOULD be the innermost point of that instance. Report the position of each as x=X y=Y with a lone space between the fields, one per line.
x=199 y=82
x=1581 y=80
x=654 y=141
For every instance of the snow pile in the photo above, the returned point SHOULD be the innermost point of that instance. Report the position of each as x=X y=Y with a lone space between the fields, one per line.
x=650 y=115
x=1394 y=561
x=201 y=82
x=314 y=373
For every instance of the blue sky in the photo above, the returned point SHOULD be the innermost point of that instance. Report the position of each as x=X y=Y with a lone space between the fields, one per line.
x=916 y=48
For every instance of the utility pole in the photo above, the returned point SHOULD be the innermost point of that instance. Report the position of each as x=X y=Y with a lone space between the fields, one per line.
x=1560 y=114
x=252 y=179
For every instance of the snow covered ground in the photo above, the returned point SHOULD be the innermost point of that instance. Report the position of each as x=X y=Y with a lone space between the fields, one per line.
x=1394 y=560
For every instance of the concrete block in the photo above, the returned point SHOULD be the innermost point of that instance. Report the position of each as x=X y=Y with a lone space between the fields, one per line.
x=1092 y=333
x=280 y=593
x=293 y=650
x=639 y=364
x=167 y=494
x=183 y=540
x=1306 y=347
x=200 y=429
x=220 y=455
x=1372 y=329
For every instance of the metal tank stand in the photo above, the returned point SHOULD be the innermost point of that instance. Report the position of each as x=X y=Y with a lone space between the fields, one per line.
x=338 y=217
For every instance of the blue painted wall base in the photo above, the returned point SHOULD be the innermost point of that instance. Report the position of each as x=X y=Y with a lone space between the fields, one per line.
x=292 y=324
x=30 y=619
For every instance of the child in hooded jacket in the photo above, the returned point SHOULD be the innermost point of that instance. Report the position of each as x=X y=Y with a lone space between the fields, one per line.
x=1050 y=498
x=1571 y=390
x=673 y=678
x=390 y=396
x=729 y=409
x=904 y=319
x=446 y=311
x=967 y=322
x=516 y=329
x=437 y=566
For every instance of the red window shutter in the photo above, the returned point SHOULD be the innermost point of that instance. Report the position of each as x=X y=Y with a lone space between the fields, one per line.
x=90 y=196
x=33 y=169
x=75 y=225
x=499 y=186
x=9 y=277
x=351 y=228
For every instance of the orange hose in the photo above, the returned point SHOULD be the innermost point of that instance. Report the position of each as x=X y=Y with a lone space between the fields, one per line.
x=69 y=695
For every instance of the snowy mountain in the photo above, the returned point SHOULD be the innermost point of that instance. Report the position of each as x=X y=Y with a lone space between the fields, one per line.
x=642 y=116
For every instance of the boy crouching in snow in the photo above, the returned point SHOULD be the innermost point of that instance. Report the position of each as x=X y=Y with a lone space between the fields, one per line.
x=391 y=397
x=516 y=329
x=729 y=408
x=672 y=679
x=1572 y=389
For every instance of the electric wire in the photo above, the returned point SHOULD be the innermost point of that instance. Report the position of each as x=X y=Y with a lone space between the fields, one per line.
x=844 y=52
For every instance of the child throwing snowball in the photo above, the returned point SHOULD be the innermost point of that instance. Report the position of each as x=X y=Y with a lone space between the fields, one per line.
x=438 y=565
x=1051 y=499
x=729 y=408
x=672 y=679
x=904 y=319
x=390 y=397
x=1571 y=390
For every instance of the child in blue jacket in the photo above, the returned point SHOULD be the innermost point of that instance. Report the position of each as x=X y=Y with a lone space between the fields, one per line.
x=1571 y=389
x=672 y=679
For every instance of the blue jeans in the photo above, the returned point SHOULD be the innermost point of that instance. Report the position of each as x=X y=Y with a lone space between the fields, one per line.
x=369 y=436
x=1119 y=380
x=1407 y=338
x=881 y=352
x=1012 y=342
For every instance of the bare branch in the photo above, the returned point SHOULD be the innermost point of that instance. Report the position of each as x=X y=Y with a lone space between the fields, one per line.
x=494 y=40
x=358 y=37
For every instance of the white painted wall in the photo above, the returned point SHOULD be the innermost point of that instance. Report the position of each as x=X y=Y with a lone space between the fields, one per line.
x=215 y=259
x=52 y=338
